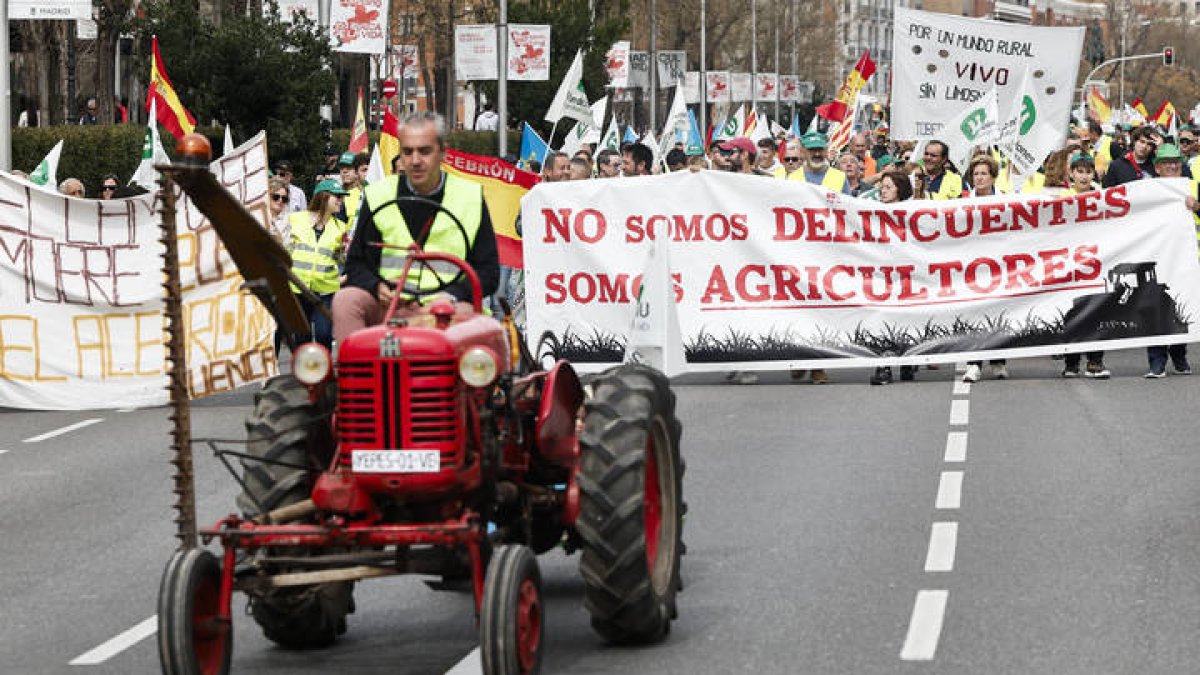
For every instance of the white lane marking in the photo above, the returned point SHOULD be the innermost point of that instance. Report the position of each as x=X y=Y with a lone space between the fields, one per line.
x=472 y=664
x=925 y=626
x=118 y=644
x=960 y=412
x=3 y=451
x=126 y=410
x=956 y=446
x=65 y=430
x=962 y=388
x=949 y=494
x=960 y=367
x=943 y=539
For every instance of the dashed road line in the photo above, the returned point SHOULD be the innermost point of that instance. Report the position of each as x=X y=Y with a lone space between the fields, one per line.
x=64 y=430
x=956 y=447
x=118 y=644
x=472 y=664
x=943 y=539
x=949 y=494
x=126 y=410
x=960 y=412
x=925 y=626
x=962 y=388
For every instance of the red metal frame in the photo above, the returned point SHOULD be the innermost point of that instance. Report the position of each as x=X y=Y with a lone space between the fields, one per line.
x=415 y=254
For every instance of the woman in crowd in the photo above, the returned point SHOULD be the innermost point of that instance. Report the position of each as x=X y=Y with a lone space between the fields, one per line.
x=280 y=228
x=1083 y=177
x=983 y=171
x=894 y=187
x=317 y=243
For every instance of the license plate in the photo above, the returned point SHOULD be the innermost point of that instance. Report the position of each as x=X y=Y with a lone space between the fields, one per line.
x=396 y=461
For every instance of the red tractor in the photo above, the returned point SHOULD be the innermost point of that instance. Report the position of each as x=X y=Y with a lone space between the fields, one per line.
x=433 y=445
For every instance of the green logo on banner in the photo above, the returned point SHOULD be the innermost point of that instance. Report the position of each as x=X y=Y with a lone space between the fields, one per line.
x=1028 y=115
x=970 y=126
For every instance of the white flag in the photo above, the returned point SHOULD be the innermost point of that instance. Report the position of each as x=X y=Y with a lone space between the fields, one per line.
x=152 y=153
x=650 y=142
x=611 y=139
x=228 y=142
x=571 y=100
x=677 y=117
x=573 y=140
x=977 y=124
x=654 y=336
x=762 y=129
x=1025 y=136
x=592 y=134
x=46 y=172
x=375 y=171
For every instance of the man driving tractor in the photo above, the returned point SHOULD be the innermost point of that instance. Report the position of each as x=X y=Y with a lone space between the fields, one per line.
x=389 y=223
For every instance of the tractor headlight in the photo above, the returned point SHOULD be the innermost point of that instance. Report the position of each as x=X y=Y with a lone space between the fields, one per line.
x=478 y=367
x=310 y=364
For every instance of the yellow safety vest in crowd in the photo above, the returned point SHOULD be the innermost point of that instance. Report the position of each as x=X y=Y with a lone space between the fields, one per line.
x=1034 y=184
x=952 y=187
x=1102 y=154
x=351 y=202
x=833 y=180
x=462 y=197
x=314 y=259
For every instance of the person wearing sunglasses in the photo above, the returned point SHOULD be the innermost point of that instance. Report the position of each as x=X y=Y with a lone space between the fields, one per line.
x=793 y=159
x=608 y=164
x=278 y=198
x=297 y=201
x=108 y=186
x=1190 y=150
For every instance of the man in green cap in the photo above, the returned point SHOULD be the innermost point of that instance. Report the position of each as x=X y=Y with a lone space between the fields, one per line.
x=816 y=167
x=352 y=184
x=1168 y=162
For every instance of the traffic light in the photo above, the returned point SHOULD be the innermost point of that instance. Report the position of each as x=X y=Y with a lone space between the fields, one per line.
x=1168 y=56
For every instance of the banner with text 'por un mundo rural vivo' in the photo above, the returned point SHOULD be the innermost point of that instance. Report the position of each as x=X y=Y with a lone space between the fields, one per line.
x=81 y=323
x=943 y=62
x=775 y=274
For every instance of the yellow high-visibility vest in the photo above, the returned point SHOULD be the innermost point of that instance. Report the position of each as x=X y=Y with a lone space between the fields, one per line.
x=314 y=259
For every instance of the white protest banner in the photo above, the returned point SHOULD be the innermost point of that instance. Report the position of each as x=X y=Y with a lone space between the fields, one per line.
x=766 y=86
x=671 y=67
x=617 y=64
x=359 y=26
x=404 y=60
x=944 y=60
x=475 y=52
x=528 y=52
x=288 y=9
x=691 y=87
x=719 y=89
x=781 y=274
x=81 y=322
x=741 y=86
x=639 y=70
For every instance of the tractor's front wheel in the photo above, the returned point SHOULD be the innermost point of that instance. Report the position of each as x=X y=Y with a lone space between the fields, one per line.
x=192 y=638
x=512 y=619
x=290 y=432
x=631 y=508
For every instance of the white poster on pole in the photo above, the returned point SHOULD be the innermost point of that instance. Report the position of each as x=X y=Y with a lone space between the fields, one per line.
x=719 y=88
x=639 y=69
x=359 y=26
x=671 y=67
x=81 y=322
x=49 y=9
x=691 y=87
x=943 y=62
x=475 y=52
x=289 y=9
x=789 y=88
x=617 y=64
x=766 y=86
x=741 y=86
x=770 y=275
x=528 y=52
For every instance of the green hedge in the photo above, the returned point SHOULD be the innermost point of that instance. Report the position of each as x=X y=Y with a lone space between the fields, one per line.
x=91 y=152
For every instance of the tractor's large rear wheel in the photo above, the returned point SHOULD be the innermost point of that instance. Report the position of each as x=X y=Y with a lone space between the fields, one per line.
x=287 y=427
x=631 y=511
x=192 y=640
x=512 y=624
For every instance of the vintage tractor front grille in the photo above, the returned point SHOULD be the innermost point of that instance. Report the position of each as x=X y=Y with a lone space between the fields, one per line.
x=397 y=404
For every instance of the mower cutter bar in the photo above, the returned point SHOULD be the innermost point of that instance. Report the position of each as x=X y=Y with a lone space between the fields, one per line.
x=238 y=533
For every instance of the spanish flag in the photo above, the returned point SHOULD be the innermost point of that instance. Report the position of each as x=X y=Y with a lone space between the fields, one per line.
x=843 y=103
x=1098 y=106
x=1140 y=107
x=358 y=135
x=171 y=113
x=389 y=140
x=1166 y=113
x=503 y=187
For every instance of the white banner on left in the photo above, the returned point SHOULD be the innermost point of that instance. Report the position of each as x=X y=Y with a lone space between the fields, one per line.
x=359 y=26
x=81 y=322
x=475 y=56
x=49 y=9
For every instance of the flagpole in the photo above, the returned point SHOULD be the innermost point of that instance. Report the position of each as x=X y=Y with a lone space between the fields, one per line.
x=754 y=54
x=5 y=100
x=502 y=83
x=776 y=22
x=704 y=72
x=653 y=79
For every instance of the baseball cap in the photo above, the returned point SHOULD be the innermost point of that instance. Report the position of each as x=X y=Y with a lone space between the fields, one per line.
x=329 y=185
x=740 y=143
x=283 y=166
x=1167 y=151
x=813 y=140
x=347 y=159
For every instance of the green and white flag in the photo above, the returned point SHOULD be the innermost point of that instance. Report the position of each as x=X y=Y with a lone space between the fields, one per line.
x=611 y=140
x=571 y=100
x=733 y=125
x=152 y=153
x=46 y=173
x=1025 y=136
x=976 y=125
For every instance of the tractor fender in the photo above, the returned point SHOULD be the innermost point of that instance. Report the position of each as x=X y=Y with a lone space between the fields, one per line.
x=562 y=394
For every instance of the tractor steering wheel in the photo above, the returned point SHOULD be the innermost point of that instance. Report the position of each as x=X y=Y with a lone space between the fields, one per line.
x=427 y=266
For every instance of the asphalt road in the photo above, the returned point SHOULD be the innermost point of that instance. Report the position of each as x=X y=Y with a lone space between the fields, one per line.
x=1035 y=525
